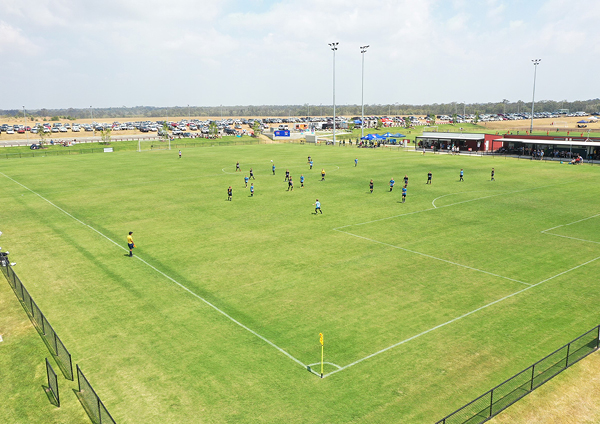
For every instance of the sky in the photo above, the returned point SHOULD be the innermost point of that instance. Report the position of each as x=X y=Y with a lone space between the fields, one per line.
x=112 y=53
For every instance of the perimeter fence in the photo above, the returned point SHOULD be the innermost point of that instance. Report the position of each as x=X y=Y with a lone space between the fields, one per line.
x=505 y=394
x=52 y=382
x=91 y=402
x=161 y=145
x=53 y=342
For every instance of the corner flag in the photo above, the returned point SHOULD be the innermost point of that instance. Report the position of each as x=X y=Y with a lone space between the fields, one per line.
x=321 y=338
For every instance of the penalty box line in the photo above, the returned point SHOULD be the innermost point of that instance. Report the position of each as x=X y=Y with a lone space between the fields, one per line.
x=566 y=225
x=270 y=343
x=436 y=258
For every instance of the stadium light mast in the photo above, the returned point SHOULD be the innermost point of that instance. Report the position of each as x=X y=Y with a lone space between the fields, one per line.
x=333 y=48
x=363 y=50
x=92 y=114
x=536 y=62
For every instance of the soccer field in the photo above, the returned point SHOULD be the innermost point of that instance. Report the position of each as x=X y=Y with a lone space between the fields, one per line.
x=423 y=305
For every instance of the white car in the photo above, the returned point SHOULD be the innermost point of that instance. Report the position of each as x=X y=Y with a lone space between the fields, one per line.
x=55 y=129
x=62 y=129
x=10 y=131
x=75 y=128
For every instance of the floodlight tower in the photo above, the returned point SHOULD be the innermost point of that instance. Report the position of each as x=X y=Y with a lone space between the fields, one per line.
x=333 y=48
x=536 y=62
x=363 y=50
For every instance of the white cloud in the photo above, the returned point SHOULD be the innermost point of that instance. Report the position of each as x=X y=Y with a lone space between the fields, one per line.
x=12 y=41
x=275 y=51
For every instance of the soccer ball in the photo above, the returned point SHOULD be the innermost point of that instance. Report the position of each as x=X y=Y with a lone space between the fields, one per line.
x=271 y=161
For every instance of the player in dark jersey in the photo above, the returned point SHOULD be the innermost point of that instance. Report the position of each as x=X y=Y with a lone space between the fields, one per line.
x=406 y=180
x=252 y=174
x=290 y=185
x=493 y=173
x=428 y=178
x=287 y=175
x=371 y=186
x=229 y=193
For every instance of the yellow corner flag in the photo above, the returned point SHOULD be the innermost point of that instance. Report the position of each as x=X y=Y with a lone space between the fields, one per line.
x=321 y=340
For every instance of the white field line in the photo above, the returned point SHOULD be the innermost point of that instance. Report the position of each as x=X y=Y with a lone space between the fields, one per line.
x=436 y=258
x=444 y=206
x=458 y=318
x=328 y=363
x=337 y=168
x=566 y=225
x=164 y=275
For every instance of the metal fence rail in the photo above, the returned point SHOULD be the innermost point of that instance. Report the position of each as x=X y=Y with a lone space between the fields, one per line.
x=52 y=382
x=505 y=394
x=91 y=402
x=55 y=345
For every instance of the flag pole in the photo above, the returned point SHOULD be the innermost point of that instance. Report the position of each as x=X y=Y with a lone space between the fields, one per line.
x=321 y=340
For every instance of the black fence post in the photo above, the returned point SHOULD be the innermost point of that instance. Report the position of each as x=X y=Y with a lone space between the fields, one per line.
x=598 y=338
x=532 y=377
x=491 y=401
x=567 y=361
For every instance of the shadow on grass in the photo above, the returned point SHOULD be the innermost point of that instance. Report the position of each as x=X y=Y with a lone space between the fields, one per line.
x=50 y=395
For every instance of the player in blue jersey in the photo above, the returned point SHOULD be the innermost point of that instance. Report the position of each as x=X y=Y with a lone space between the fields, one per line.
x=404 y=194
x=273 y=168
x=301 y=180
x=252 y=190
x=317 y=205
x=392 y=182
x=355 y=161
x=461 y=175
x=246 y=180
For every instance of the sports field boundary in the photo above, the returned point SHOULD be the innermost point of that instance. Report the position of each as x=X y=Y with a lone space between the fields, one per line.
x=287 y=354
x=225 y=314
x=522 y=383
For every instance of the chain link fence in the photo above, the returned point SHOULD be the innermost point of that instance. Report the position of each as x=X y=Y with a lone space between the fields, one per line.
x=91 y=402
x=52 y=382
x=505 y=394
x=55 y=345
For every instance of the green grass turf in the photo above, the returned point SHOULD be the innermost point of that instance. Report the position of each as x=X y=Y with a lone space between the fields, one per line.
x=369 y=273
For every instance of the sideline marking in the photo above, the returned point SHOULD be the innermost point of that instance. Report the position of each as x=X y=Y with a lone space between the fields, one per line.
x=164 y=275
x=457 y=318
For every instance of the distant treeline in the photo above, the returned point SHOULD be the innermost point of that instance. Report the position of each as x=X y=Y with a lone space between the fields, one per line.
x=505 y=106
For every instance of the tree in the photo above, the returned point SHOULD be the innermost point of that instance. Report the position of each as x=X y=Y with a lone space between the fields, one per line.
x=212 y=128
x=432 y=119
x=406 y=122
x=165 y=131
x=105 y=135
x=256 y=128
x=476 y=120
x=454 y=118
x=379 y=123
x=41 y=134
x=504 y=103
